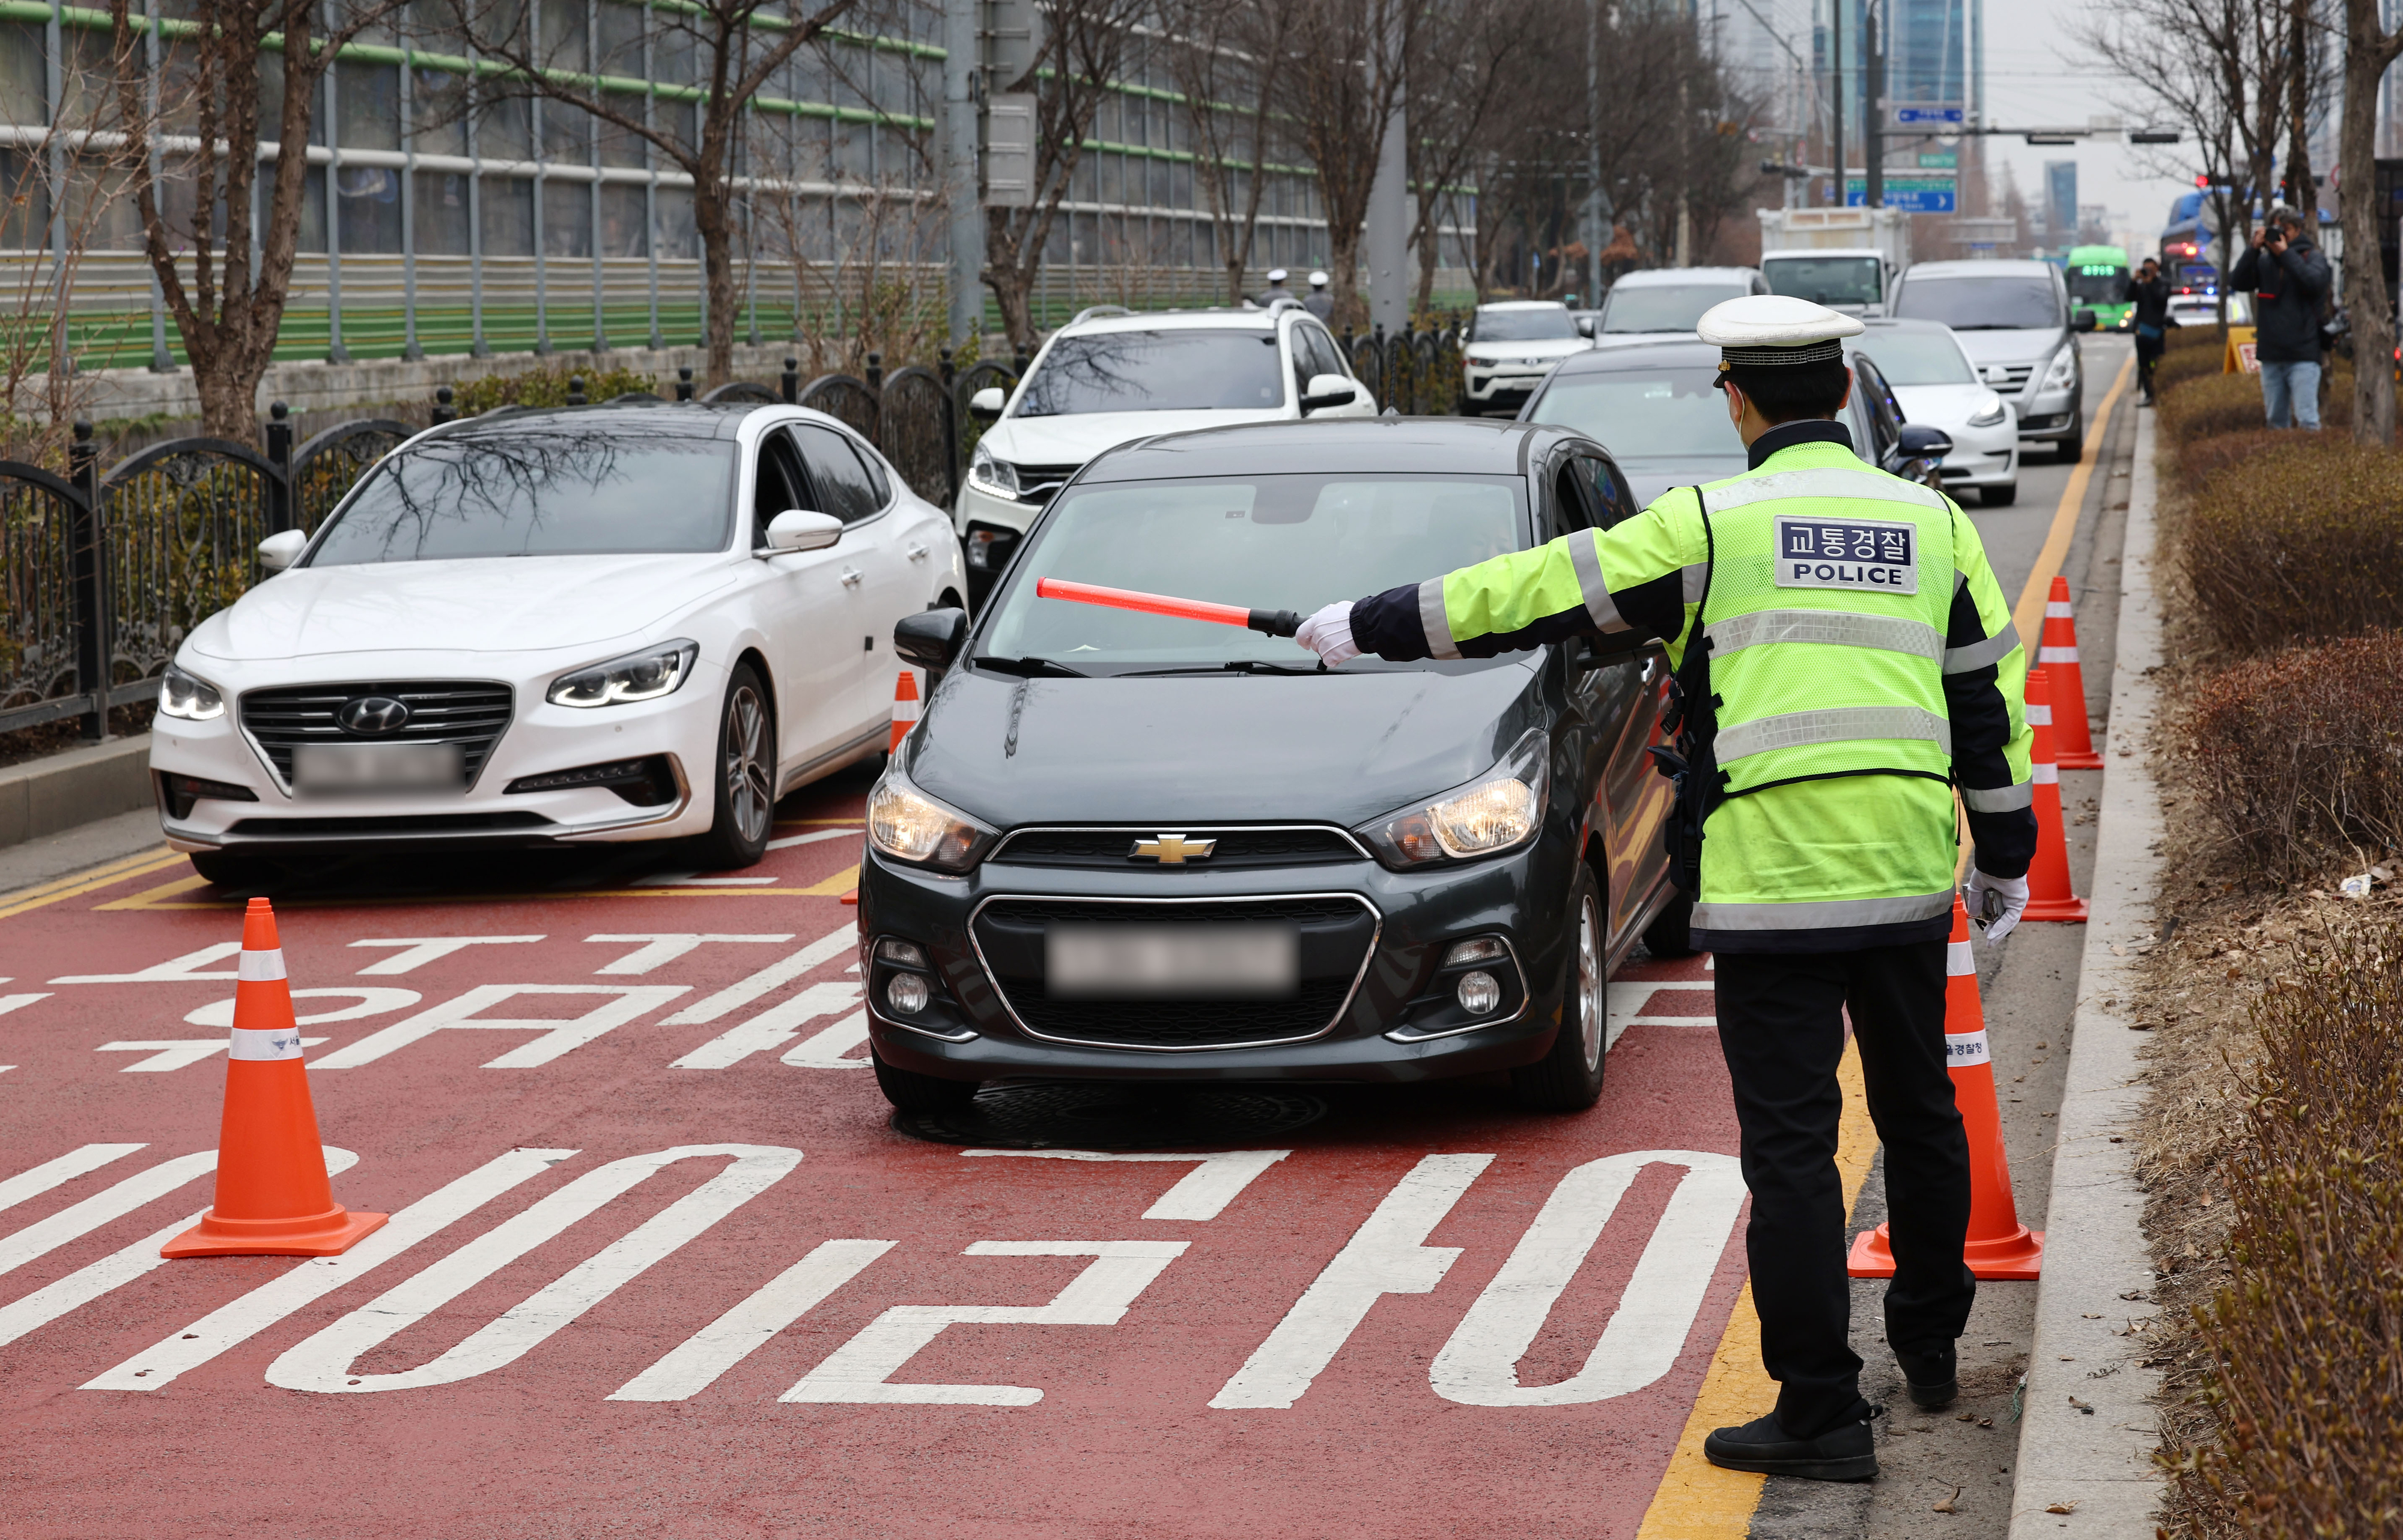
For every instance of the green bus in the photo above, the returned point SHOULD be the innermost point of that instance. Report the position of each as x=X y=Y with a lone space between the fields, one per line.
x=2098 y=281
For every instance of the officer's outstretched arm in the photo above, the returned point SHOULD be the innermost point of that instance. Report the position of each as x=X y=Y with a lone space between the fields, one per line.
x=1630 y=577
x=1985 y=674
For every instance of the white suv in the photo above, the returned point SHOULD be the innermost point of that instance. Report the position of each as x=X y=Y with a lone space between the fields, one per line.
x=1512 y=344
x=1111 y=376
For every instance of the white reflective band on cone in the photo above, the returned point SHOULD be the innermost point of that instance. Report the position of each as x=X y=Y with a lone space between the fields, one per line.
x=2045 y=775
x=2055 y=655
x=249 y=1043
x=1959 y=959
x=2040 y=716
x=1966 y=1049
x=259 y=967
x=2056 y=608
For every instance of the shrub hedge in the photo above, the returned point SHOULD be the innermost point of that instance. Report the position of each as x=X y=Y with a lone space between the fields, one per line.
x=2205 y=406
x=2305 y=1389
x=2302 y=540
x=546 y=386
x=2189 y=353
x=2299 y=757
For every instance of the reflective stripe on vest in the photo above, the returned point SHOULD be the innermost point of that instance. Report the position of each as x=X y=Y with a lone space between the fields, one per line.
x=1585 y=558
x=1979 y=655
x=1837 y=724
x=1823 y=914
x=1999 y=799
x=1833 y=627
x=1833 y=482
x=1437 y=624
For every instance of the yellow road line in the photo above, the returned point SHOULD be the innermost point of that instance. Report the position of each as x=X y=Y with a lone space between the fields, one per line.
x=91 y=880
x=1697 y=1500
x=2028 y=615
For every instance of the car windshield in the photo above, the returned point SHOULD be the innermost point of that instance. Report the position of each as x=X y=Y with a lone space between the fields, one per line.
x=549 y=491
x=1266 y=542
x=1982 y=304
x=1918 y=358
x=1664 y=307
x=1546 y=324
x=1643 y=413
x=1826 y=280
x=1182 y=370
x=2094 y=283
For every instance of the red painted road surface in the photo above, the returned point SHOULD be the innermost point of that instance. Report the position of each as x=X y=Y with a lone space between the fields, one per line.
x=660 y=1265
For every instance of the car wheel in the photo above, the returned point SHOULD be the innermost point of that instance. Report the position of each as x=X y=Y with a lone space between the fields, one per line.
x=232 y=872
x=1569 y=1078
x=745 y=780
x=1672 y=932
x=2072 y=449
x=910 y=1091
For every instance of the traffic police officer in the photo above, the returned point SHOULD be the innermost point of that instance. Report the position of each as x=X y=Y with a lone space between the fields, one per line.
x=1840 y=631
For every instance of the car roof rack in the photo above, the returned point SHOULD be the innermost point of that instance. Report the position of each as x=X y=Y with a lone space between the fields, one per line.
x=1096 y=312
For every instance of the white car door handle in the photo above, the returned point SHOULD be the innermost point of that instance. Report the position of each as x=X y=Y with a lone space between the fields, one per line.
x=851 y=577
x=917 y=553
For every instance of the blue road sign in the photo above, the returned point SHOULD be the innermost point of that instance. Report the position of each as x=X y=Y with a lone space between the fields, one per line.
x=1927 y=114
x=1910 y=197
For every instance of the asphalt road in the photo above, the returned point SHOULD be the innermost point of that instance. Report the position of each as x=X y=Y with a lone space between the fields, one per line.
x=663 y=1265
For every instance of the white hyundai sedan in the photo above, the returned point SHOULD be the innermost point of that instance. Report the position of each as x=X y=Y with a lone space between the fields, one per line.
x=555 y=626
x=1934 y=382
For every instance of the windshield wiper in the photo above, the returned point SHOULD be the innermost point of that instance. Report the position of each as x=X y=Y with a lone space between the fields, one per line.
x=1030 y=668
x=1240 y=665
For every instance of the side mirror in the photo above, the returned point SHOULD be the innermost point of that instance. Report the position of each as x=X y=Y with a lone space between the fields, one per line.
x=1585 y=325
x=1920 y=441
x=1328 y=390
x=279 y=551
x=931 y=639
x=986 y=404
x=2081 y=319
x=798 y=529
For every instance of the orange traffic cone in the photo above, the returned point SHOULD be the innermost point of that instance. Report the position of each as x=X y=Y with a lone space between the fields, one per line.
x=2058 y=657
x=272 y=1198
x=1999 y=1245
x=905 y=709
x=2049 y=894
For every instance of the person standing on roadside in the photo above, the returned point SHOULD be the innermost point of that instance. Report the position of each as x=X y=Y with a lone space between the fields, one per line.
x=2289 y=280
x=1320 y=301
x=2149 y=292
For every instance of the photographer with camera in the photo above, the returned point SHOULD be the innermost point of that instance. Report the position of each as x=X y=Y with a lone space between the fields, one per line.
x=2289 y=280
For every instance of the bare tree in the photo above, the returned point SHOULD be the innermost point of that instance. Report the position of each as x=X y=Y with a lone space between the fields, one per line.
x=1225 y=55
x=2370 y=51
x=1340 y=88
x=728 y=52
x=1467 y=60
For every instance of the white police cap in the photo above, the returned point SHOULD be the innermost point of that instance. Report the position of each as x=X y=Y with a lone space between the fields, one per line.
x=1318 y=280
x=1774 y=329
x=1276 y=276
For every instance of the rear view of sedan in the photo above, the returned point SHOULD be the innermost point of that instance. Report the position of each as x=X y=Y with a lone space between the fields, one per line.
x=1123 y=846
x=1936 y=386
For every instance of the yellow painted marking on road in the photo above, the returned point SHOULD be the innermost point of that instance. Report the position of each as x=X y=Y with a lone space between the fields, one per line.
x=155 y=898
x=1697 y=1500
x=2028 y=613
x=90 y=880
x=836 y=885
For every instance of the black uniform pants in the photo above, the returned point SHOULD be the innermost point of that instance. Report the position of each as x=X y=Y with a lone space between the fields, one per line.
x=1781 y=1025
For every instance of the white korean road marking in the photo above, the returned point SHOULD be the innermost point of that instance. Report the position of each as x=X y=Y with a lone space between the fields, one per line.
x=1626 y=1001
x=114 y=1202
x=792 y=840
x=832 y=1049
x=625 y=1003
x=422 y=949
x=861 y=1369
x=368 y=1002
x=175 y=1053
x=772 y=1029
x=696 y=1362
x=1203 y=1193
x=19 y=1002
x=734 y=996
x=659 y=947
x=1386 y=1255
x=182 y=1352
x=66 y=1167
x=173 y=970
x=1479 y=1365
x=323 y=1362
x=119 y=1267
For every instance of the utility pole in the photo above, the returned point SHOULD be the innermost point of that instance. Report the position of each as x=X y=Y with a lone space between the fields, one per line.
x=1873 y=108
x=962 y=192
x=1389 y=219
x=1836 y=97
x=1685 y=135
x=1598 y=210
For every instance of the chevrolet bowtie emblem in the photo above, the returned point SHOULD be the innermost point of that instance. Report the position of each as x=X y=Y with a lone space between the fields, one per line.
x=1173 y=849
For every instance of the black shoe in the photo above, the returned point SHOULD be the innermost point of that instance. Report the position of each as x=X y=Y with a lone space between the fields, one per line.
x=1845 y=1452
x=1929 y=1377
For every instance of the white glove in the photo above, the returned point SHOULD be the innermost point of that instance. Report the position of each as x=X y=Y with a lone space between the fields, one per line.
x=1328 y=633
x=1995 y=904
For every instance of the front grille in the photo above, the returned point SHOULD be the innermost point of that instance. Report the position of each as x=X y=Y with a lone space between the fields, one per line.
x=1336 y=934
x=1110 y=849
x=1037 y=483
x=470 y=713
x=2014 y=376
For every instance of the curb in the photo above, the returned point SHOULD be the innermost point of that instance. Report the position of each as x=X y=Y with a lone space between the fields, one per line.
x=60 y=791
x=2098 y=1462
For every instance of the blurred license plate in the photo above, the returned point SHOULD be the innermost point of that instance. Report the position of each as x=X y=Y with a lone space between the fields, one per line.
x=1171 y=962
x=376 y=766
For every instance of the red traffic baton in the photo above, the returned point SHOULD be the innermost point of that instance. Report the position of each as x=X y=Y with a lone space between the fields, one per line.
x=1274 y=622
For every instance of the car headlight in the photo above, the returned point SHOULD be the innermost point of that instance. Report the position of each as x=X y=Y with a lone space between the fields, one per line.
x=2061 y=372
x=644 y=675
x=188 y=696
x=1990 y=414
x=1499 y=811
x=907 y=826
x=993 y=477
